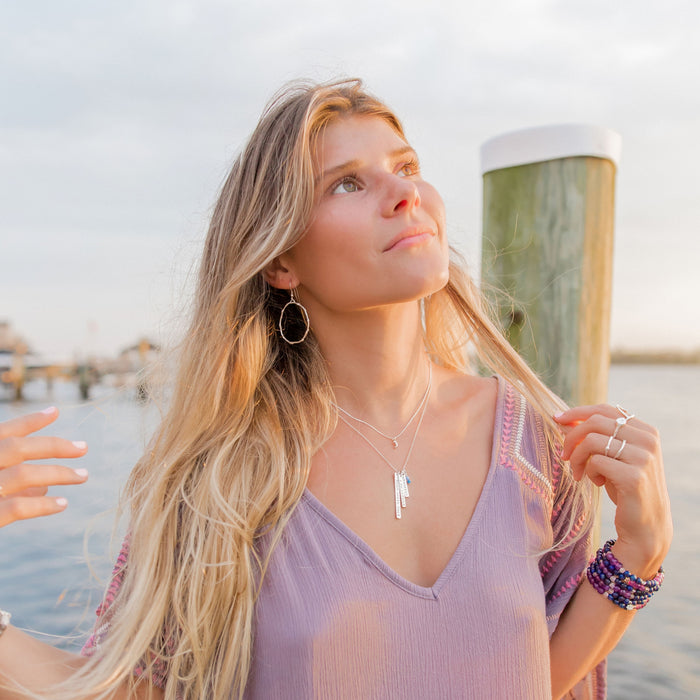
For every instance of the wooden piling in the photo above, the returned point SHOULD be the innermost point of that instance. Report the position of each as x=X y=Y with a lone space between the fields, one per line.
x=547 y=244
x=19 y=370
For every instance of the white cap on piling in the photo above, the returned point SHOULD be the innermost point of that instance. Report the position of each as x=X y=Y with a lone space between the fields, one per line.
x=549 y=143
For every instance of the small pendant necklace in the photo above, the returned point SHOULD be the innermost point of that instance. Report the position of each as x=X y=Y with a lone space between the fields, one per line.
x=394 y=439
x=401 y=480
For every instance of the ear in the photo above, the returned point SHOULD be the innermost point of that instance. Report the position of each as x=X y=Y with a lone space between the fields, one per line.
x=278 y=275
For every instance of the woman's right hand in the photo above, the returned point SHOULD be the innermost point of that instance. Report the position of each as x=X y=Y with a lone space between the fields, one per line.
x=23 y=485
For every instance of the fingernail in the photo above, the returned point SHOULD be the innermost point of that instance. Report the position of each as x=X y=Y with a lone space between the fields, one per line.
x=48 y=411
x=81 y=472
x=80 y=444
x=559 y=415
x=62 y=502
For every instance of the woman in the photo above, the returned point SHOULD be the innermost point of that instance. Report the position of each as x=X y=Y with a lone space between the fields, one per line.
x=271 y=551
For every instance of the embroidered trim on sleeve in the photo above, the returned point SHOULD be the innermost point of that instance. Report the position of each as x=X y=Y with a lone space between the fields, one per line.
x=511 y=456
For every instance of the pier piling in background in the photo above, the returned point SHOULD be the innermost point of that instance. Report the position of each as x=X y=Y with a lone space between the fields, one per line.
x=547 y=244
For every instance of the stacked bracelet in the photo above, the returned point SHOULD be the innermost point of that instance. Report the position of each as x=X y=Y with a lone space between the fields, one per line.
x=623 y=588
x=4 y=620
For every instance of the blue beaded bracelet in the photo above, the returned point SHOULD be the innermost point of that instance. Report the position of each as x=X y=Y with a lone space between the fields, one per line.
x=618 y=585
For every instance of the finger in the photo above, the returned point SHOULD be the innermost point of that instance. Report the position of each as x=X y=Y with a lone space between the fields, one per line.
x=603 y=425
x=24 y=476
x=601 y=469
x=578 y=414
x=590 y=457
x=29 y=423
x=596 y=423
x=13 y=509
x=31 y=492
x=14 y=450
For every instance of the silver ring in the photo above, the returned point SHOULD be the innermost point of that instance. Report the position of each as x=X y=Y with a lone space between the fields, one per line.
x=607 y=447
x=622 y=420
x=618 y=424
x=626 y=415
x=619 y=452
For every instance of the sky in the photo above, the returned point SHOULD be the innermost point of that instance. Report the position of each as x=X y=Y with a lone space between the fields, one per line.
x=119 y=121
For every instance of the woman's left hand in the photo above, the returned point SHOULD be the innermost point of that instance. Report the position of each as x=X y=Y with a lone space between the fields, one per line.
x=630 y=467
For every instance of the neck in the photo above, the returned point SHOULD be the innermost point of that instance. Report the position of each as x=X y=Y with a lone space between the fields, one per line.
x=377 y=362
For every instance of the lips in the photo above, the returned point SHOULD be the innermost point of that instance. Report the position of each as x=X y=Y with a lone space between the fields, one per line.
x=413 y=235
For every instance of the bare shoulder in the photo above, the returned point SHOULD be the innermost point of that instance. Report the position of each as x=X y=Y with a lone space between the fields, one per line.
x=459 y=391
x=464 y=409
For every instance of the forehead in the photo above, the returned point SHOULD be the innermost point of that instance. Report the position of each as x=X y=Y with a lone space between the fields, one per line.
x=355 y=138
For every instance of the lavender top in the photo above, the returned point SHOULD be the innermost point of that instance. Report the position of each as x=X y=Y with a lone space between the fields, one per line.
x=334 y=621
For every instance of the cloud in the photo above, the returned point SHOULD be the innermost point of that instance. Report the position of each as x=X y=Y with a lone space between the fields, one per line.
x=119 y=121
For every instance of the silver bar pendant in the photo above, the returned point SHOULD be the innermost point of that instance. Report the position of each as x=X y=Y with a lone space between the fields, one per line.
x=397 y=495
x=404 y=487
x=400 y=491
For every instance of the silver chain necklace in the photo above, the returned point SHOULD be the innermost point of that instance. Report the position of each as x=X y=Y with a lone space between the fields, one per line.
x=395 y=438
x=401 y=480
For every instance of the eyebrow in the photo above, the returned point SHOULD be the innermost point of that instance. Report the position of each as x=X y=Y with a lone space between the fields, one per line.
x=355 y=163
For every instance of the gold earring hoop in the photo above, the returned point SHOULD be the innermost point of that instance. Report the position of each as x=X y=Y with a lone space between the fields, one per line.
x=304 y=315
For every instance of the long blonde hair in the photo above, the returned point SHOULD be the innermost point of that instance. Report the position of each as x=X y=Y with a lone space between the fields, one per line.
x=231 y=457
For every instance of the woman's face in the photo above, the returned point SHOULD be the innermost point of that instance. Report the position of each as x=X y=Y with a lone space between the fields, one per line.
x=378 y=233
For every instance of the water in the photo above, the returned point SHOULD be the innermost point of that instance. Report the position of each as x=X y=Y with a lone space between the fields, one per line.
x=45 y=582
x=659 y=657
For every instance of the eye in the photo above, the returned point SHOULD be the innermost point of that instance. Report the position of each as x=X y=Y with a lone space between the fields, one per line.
x=346 y=185
x=412 y=167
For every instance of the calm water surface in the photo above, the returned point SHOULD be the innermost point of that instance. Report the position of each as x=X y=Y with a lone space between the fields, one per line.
x=47 y=585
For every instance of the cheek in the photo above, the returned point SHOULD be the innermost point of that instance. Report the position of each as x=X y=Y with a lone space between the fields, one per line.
x=333 y=239
x=433 y=204
x=324 y=257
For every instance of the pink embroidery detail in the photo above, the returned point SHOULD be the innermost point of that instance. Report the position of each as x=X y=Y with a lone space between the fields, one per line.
x=552 y=559
x=570 y=583
x=557 y=467
x=510 y=456
x=103 y=609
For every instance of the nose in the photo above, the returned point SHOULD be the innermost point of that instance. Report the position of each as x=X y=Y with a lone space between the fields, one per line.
x=401 y=194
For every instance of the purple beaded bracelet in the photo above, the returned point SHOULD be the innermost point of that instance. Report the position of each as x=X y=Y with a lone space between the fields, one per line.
x=623 y=588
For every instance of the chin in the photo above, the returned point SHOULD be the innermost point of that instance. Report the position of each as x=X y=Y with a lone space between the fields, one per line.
x=434 y=281
x=424 y=287
x=442 y=281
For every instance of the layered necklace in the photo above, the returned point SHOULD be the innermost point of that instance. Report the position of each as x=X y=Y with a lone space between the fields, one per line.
x=401 y=480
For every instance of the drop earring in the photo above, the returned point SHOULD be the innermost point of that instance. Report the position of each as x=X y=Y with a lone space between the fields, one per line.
x=304 y=315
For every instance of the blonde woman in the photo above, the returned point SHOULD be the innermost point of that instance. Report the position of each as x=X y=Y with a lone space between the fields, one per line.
x=335 y=505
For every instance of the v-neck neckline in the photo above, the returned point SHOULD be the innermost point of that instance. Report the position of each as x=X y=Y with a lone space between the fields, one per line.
x=373 y=558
